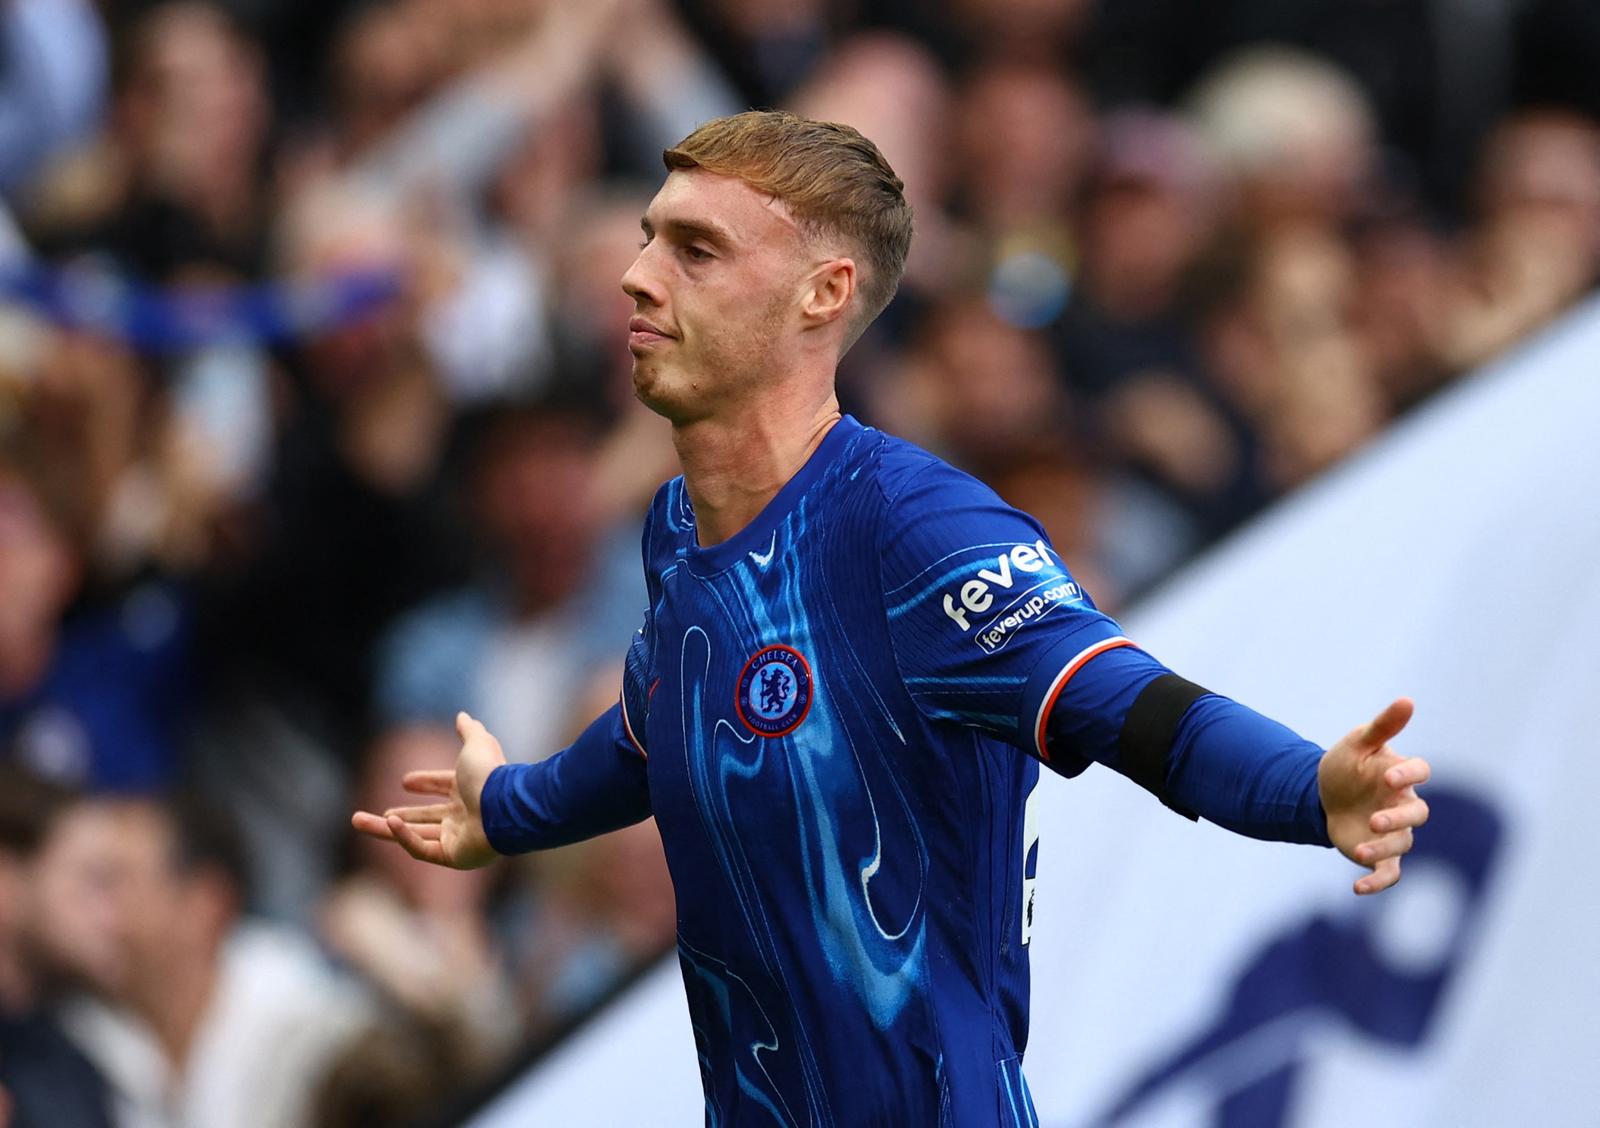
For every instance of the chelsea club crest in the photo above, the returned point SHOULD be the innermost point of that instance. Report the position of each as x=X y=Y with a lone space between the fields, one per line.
x=774 y=692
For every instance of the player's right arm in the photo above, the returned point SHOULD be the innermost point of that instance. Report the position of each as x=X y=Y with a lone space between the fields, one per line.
x=488 y=807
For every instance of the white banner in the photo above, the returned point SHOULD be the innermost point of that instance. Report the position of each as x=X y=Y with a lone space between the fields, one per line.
x=1187 y=977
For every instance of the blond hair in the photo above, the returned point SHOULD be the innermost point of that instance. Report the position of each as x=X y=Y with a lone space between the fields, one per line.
x=833 y=180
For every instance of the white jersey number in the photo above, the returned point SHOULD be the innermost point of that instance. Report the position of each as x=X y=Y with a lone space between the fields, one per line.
x=1030 y=839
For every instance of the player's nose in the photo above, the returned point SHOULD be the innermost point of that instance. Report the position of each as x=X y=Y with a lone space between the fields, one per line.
x=640 y=284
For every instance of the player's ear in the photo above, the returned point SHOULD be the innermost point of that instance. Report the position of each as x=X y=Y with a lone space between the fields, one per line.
x=829 y=289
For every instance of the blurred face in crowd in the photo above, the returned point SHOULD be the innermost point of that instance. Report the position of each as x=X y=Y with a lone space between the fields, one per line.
x=196 y=106
x=718 y=290
x=1152 y=205
x=1024 y=135
x=383 y=65
x=37 y=566
x=1298 y=131
x=1137 y=240
x=1290 y=357
x=155 y=919
x=336 y=229
x=115 y=909
x=532 y=501
x=78 y=889
x=995 y=384
x=1540 y=195
x=1546 y=163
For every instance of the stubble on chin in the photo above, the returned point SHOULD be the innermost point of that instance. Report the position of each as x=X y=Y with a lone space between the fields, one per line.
x=654 y=388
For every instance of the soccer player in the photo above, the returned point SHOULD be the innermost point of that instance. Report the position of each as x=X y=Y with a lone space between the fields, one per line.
x=853 y=662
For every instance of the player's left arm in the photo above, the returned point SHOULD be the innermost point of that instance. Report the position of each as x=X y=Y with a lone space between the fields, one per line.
x=1207 y=755
x=990 y=631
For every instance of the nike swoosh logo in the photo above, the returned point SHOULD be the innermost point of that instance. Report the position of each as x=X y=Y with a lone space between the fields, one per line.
x=763 y=559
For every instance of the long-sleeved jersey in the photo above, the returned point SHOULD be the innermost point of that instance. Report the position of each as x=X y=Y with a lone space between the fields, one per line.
x=824 y=713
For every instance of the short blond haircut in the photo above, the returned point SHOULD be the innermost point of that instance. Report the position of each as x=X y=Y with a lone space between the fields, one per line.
x=832 y=179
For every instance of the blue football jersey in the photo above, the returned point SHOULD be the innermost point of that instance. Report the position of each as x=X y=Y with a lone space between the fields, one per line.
x=834 y=706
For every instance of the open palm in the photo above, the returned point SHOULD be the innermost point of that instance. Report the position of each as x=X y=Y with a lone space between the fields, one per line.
x=448 y=833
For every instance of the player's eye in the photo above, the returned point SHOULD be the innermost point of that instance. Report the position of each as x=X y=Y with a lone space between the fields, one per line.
x=698 y=254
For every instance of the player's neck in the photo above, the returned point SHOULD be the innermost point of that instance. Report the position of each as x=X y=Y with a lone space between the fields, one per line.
x=732 y=467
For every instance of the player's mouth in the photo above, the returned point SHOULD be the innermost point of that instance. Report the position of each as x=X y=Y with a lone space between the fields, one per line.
x=643 y=335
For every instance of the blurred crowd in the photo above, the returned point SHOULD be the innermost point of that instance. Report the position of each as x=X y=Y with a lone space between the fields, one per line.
x=316 y=427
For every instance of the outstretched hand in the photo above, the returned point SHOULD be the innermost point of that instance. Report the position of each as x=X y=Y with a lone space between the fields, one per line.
x=1369 y=794
x=448 y=833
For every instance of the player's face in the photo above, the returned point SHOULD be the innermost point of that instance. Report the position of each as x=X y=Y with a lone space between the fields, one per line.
x=716 y=291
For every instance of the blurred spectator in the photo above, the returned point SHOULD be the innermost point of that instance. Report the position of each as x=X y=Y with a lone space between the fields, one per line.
x=1436 y=74
x=1402 y=306
x=98 y=698
x=50 y=913
x=1154 y=201
x=209 y=1018
x=605 y=910
x=399 y=1072
x=420 y=935
x=666 y=78
x=768 y=49
x=599 y=241
x=421 y=146
x=1280 y=341
x=179 y=190
x=601 y=909
x=1296 y=132
x=1025 y=138
x=52 y=83
x=975 y=388
x=353 y=528
x=1033 y=31
x=513 y=648
x=1537 y=244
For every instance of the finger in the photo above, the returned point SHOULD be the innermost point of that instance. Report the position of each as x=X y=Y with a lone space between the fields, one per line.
x=1408 y=773
x=1387 y=724
x=467 y=725
x=428 y=783
x=1388 y=846
x=414 y=844
x=1381 y=878
x=430 y=814
x=1412 y=812
x=378 y=827
x=374 y=825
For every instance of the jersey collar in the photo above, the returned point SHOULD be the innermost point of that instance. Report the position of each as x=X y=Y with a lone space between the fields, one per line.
x=757 y=537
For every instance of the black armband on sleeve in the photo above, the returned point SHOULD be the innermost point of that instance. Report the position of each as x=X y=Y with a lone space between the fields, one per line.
x=1149 y=730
